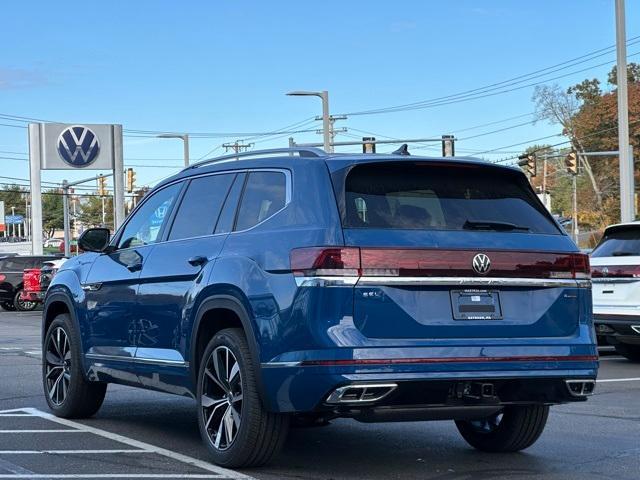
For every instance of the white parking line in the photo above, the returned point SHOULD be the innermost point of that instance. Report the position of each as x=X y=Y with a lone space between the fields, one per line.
x=138 y=447
x=111 y=475
x=611 y=358
x=63 y=452
x=633 y=379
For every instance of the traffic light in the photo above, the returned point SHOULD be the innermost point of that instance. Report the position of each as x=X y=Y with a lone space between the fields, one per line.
x=102 y=186
x=529 y=162
x=368 y=144
x=532 y=165
x=131 y=180
x=572 y=163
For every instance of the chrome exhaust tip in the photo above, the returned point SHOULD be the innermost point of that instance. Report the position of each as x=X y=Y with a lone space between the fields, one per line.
x=358 y=394
x=581 y=388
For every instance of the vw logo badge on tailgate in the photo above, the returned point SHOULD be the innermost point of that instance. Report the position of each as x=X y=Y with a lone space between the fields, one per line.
x=78 y=146
x=481 y=263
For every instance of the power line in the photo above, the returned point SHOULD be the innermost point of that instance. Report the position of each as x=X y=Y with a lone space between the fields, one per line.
x=479 y=91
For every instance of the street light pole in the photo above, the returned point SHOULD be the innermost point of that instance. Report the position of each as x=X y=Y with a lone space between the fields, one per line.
x=326 y=117
x=185 y=143
x=627 y=210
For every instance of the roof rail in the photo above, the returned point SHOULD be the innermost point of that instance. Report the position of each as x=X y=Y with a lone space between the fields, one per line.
x=301 y=151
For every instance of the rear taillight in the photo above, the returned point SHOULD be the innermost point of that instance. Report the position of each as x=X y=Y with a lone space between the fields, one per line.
x=326 y=261
x=616 y=271
x=388 y=262
x=31 y=280
x=2 y=278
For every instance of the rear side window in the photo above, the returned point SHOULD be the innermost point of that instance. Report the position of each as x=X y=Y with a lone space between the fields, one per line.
x=14 y=264
x=200 y=207
x=619 y=242
x=265 y=194
x=418 y=196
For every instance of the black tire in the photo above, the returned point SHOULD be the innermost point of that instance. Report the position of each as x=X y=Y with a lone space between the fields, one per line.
x=260 y=434
x=632 y=352
x=21 y=305
x=75 y=396
x=516 y=428
x=8 y=306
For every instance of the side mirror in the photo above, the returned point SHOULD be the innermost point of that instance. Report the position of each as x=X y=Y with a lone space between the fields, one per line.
x=94 y=239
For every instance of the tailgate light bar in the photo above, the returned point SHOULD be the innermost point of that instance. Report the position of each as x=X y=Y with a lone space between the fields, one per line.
x=434 y=263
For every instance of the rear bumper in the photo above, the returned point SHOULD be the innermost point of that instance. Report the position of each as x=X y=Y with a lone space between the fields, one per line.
x=618 y=328
x=519 y=375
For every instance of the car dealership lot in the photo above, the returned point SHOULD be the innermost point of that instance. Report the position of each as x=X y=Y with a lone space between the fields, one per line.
x=140 y=434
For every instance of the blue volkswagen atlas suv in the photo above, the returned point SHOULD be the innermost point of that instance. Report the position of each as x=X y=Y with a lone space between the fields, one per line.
x=294 y=286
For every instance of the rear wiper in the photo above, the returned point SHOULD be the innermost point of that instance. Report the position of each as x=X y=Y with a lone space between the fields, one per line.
x=624 y=254
x=491 y=225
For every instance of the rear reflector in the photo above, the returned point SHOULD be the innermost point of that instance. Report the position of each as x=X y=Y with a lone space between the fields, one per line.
x=381 y=262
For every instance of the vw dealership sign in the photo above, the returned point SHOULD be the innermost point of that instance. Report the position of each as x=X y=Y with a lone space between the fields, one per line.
x=62 y=146
x=71 y=146
x=78 y=146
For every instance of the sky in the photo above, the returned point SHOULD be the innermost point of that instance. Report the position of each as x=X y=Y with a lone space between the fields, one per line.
x=224 y=67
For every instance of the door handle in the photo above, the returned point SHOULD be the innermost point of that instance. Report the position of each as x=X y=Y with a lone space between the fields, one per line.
x=134 y=267
x=198 y=260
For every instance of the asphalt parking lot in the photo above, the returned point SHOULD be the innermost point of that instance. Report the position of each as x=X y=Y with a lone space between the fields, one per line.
x=140 y=434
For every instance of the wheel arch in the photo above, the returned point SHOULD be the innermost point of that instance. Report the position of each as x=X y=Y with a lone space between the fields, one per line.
x=205 y=324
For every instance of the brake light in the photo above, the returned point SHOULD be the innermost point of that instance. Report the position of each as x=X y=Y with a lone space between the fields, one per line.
x=2 y=277
x=389 y=262
x=31 y=280
x=616 y=271
x=325 y=261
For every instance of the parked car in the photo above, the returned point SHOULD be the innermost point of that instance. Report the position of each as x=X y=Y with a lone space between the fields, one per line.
x=615 y=267
x=11 y=280
x=36 y=281
x=293 y=285
x=53 y=242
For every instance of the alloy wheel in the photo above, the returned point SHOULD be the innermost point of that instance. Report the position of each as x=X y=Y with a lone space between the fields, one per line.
x=221 y=399
x=58 y=366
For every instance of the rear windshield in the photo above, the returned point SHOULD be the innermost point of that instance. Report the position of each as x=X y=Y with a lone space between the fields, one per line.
x=436 y=197
x=620 y=242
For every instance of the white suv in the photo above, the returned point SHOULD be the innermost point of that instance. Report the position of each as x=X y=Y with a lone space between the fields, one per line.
x=615 y=271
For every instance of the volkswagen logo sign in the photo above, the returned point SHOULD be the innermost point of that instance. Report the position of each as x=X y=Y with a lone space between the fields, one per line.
x=78 y=146
x=481 y=263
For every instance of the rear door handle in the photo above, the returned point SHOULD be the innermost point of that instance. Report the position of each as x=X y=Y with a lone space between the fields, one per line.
x=134 y=267
x=198 y=260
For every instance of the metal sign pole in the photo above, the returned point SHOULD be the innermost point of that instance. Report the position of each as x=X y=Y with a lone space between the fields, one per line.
x=65 y=216
x=35 y=153
x=118 y=177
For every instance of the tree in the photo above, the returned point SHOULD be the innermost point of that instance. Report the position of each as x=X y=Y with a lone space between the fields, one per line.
x=91 y=211
x=13 y=197
x=633 y=74
x=587 y=91
x=559 y=107
x=52 y=212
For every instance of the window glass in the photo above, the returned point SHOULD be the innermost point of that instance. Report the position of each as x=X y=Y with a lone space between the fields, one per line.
x=14 y=264
x=430 y=197
x=264 y=195
x=619 y=242
x=145 y=225
x=200 y=207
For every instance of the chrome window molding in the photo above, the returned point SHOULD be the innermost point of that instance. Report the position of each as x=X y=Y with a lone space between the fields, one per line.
x=614 y=280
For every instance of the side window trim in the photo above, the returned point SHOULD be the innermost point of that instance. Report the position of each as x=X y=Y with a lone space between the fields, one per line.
x=288 y=195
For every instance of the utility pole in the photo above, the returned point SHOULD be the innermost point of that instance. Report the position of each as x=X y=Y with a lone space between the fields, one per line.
x=332 y=129
x=326 y=122
x=237 y=146
x=627 y=210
